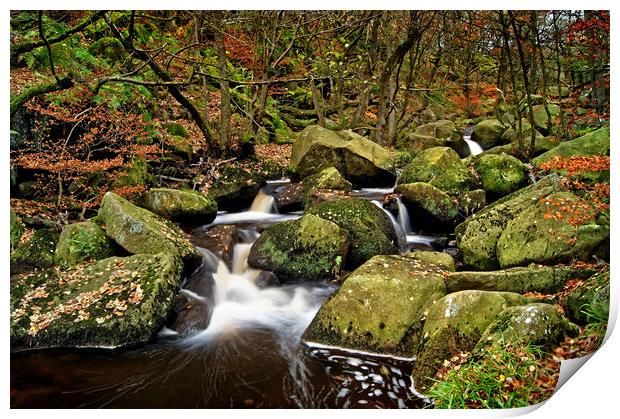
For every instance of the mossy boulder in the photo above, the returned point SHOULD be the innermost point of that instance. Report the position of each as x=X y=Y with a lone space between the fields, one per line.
x=443 y=260
x=442 y=168
x=478 y=235
x=445 y=133
x=369 y=228
x=454 y=324
x=500 y=174
x=488 y=133
x=533 y=278
x=181 y=205
x=176 y=129
x=139 y=231
x=433 y=209
x=594 y=143
x=541 y=119
x=511 y=135
x=36 y=253
x=471 y=202
x=81 y=242
x=592 y=295
x=16 y=229
x=361 y=161
x=111 y=303
x=109 y=48
x=380 y=306
x=307 y=249
x=535 y=323
x=137 y=174
x=534 y=237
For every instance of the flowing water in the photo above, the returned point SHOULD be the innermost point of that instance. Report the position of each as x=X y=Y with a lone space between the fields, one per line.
x=249 y=354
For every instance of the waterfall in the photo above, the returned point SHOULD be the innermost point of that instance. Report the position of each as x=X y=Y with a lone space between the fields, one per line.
x=474 y=147
x=401 y=234
x=403 y=216
x=264 y=203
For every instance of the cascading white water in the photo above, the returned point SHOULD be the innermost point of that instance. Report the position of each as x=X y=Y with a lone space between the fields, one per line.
x=400 y=233
x=474 y=147
x=403 y=216
x=264 y=203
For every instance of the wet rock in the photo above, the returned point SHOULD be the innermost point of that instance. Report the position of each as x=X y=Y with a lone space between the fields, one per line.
x=488 y=133
x=592 y=295
x=511 y=136
x=534 y=278
x=533 y=237
x=536 y=323
x=478 y=235
x=140 y=231
x=266 y=279
x=541 y=118
x=307 y=249
x=380 y=306
x=296 y=196
x=500 y=174
x=361 y=161
x=443 y=133
x=454 y=324
x=442 y=168
x=81 y=242
x=471 y=202
x=220 y=240
x=36 y=253
x=433 y=209
x=111 y=303
x=370 y=231
x=181 y=205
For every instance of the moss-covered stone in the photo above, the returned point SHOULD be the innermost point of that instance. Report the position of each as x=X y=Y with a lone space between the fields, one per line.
x=109 y=48
x=432 y=208
x=511 y=135
x=140 y=231
x=380 y=306
x=81 y=242
x=535 y=323
x=369 y=229
x=533 y=237
x=533 y=278
x=591 y=295
x=500 y=174
x=541 y=117
x=477 y=236
x=445 y=134
x=359 y=160
x=594 y=143
x=455 y=324
x=440 y=167
x=16 y=229
x=136 y=174
x=443 y=260
x=181 y=205
x=179 y=130
x=307 y=249
x=37 y=252
x=471 y=202
x=488 y=133
x=113 y=302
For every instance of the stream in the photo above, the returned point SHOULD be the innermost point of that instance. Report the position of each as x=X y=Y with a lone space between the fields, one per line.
x=250 y=355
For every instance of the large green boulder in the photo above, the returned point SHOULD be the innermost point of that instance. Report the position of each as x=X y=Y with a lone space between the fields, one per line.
x=536 y=236
x=443 y=260
x=454 y=324
x=307 y=249
x=16 y=230
x=488 y=133
x=81 y=242
x=590 y=297
x=181 y=205
x=35 y=253
x=533 y=278
x=446 y=134
x=361 y=161
x=500 y=174
x=535 y=323
x=511 y=135
x=440 y=167
x=111 y=303
x=477 y=236
x=594 y=143
x=370 y=230
x=472 y=201
x=139 y=231
x=380 y=307
x=432 y=208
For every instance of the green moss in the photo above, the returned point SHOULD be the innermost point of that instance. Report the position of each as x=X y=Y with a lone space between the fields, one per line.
x=114 y=302
x=440 y=167
x=182 y=205
x=590 y=295
x=444 y=260
x=82 y=242
x=369 y=229
x=136 y=174
x=488 y=133
x=308 y=249
x=16 y=229
x=428 y=205
x=37 y=252
x=500 y=174
x=380 y=306
x=177 y=130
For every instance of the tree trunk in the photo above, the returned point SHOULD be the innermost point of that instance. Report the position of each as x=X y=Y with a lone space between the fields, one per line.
x=225 y=137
